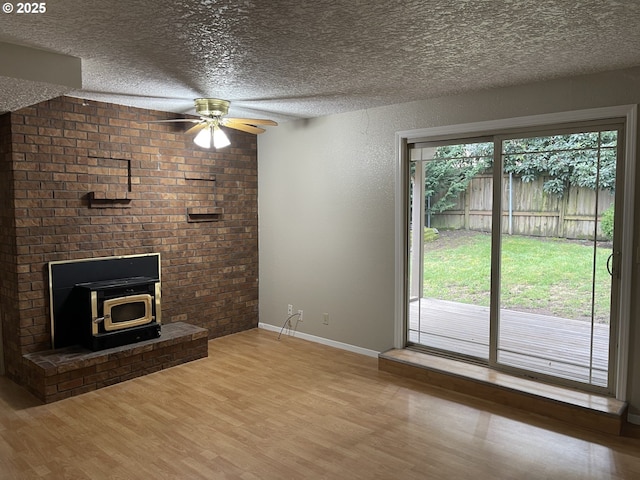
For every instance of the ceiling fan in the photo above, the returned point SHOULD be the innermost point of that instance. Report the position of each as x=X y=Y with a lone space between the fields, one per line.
x=212 y=113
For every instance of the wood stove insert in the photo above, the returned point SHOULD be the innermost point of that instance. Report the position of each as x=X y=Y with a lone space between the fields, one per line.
x=105 y=302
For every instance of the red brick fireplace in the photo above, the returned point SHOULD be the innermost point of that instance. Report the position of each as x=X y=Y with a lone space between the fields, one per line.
x=82 y=179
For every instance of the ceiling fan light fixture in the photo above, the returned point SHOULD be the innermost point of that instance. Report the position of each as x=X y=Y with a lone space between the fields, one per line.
x=212 y=113
x=220 y=139
x=212 y=136
x=203 y=138
x=211 y=107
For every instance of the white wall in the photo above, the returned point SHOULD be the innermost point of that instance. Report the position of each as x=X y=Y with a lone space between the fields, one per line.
x=326 y=204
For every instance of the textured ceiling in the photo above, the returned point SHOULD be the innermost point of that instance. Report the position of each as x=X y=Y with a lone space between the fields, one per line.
x=285 y=59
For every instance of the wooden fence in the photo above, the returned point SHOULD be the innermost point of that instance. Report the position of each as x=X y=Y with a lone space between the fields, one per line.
x=533 y=212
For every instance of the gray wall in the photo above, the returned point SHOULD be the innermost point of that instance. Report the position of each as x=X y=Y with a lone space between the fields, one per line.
x=326 y=204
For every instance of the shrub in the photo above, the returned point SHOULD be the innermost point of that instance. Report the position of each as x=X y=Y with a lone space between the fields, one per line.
x=430 y=234
x=607 y=222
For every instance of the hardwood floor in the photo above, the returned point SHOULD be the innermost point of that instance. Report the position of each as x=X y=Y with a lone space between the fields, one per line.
x=597 y=412
x=259 y=408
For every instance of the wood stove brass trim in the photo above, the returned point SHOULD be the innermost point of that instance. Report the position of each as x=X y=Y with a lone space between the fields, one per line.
x=94 y=313
x=107 y=305
x=157 y=296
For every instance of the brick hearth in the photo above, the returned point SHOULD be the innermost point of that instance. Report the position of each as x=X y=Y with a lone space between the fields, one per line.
x=56 y=374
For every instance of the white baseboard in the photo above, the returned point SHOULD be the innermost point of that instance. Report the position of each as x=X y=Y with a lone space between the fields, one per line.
x=635 y=419
x=324 y=341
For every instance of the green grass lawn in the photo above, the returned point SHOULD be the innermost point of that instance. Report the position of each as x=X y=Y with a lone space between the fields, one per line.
x=550 y=276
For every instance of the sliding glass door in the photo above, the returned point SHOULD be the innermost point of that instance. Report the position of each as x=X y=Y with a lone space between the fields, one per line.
x=451 y=247
x=513 y=252
x=556 y=289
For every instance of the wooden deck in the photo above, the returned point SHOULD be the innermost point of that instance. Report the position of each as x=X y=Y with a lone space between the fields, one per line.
x=539 y=343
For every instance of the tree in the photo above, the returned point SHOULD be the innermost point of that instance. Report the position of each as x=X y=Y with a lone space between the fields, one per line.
x=563 y=160
x=567 y=160
x=451 y=171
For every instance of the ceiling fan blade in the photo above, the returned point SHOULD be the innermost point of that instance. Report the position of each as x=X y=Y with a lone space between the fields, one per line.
x=243 y=127
x=196 y=128
x=252 y=121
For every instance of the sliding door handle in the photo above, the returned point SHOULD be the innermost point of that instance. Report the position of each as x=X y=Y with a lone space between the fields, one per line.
x=609 y=264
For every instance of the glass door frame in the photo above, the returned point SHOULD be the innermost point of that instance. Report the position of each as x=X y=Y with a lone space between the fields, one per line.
x=512 y=128
x=497 y=235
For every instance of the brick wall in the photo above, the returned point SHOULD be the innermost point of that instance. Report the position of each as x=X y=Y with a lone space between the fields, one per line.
x=144 y=178
x=8 y=273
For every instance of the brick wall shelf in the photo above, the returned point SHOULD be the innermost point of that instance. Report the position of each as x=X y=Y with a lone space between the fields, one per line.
x=56 y=374
x=197 y=176
x=108 y=200
x=204 y=214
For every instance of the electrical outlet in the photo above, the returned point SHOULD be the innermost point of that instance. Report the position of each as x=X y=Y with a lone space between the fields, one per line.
x=325 y=319
x=290 y=310
x=300 y=315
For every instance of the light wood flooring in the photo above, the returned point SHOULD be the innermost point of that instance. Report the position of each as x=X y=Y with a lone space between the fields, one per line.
x=262 y=408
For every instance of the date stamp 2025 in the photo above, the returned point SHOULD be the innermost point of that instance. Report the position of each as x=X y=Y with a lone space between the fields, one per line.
x=28 y=7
